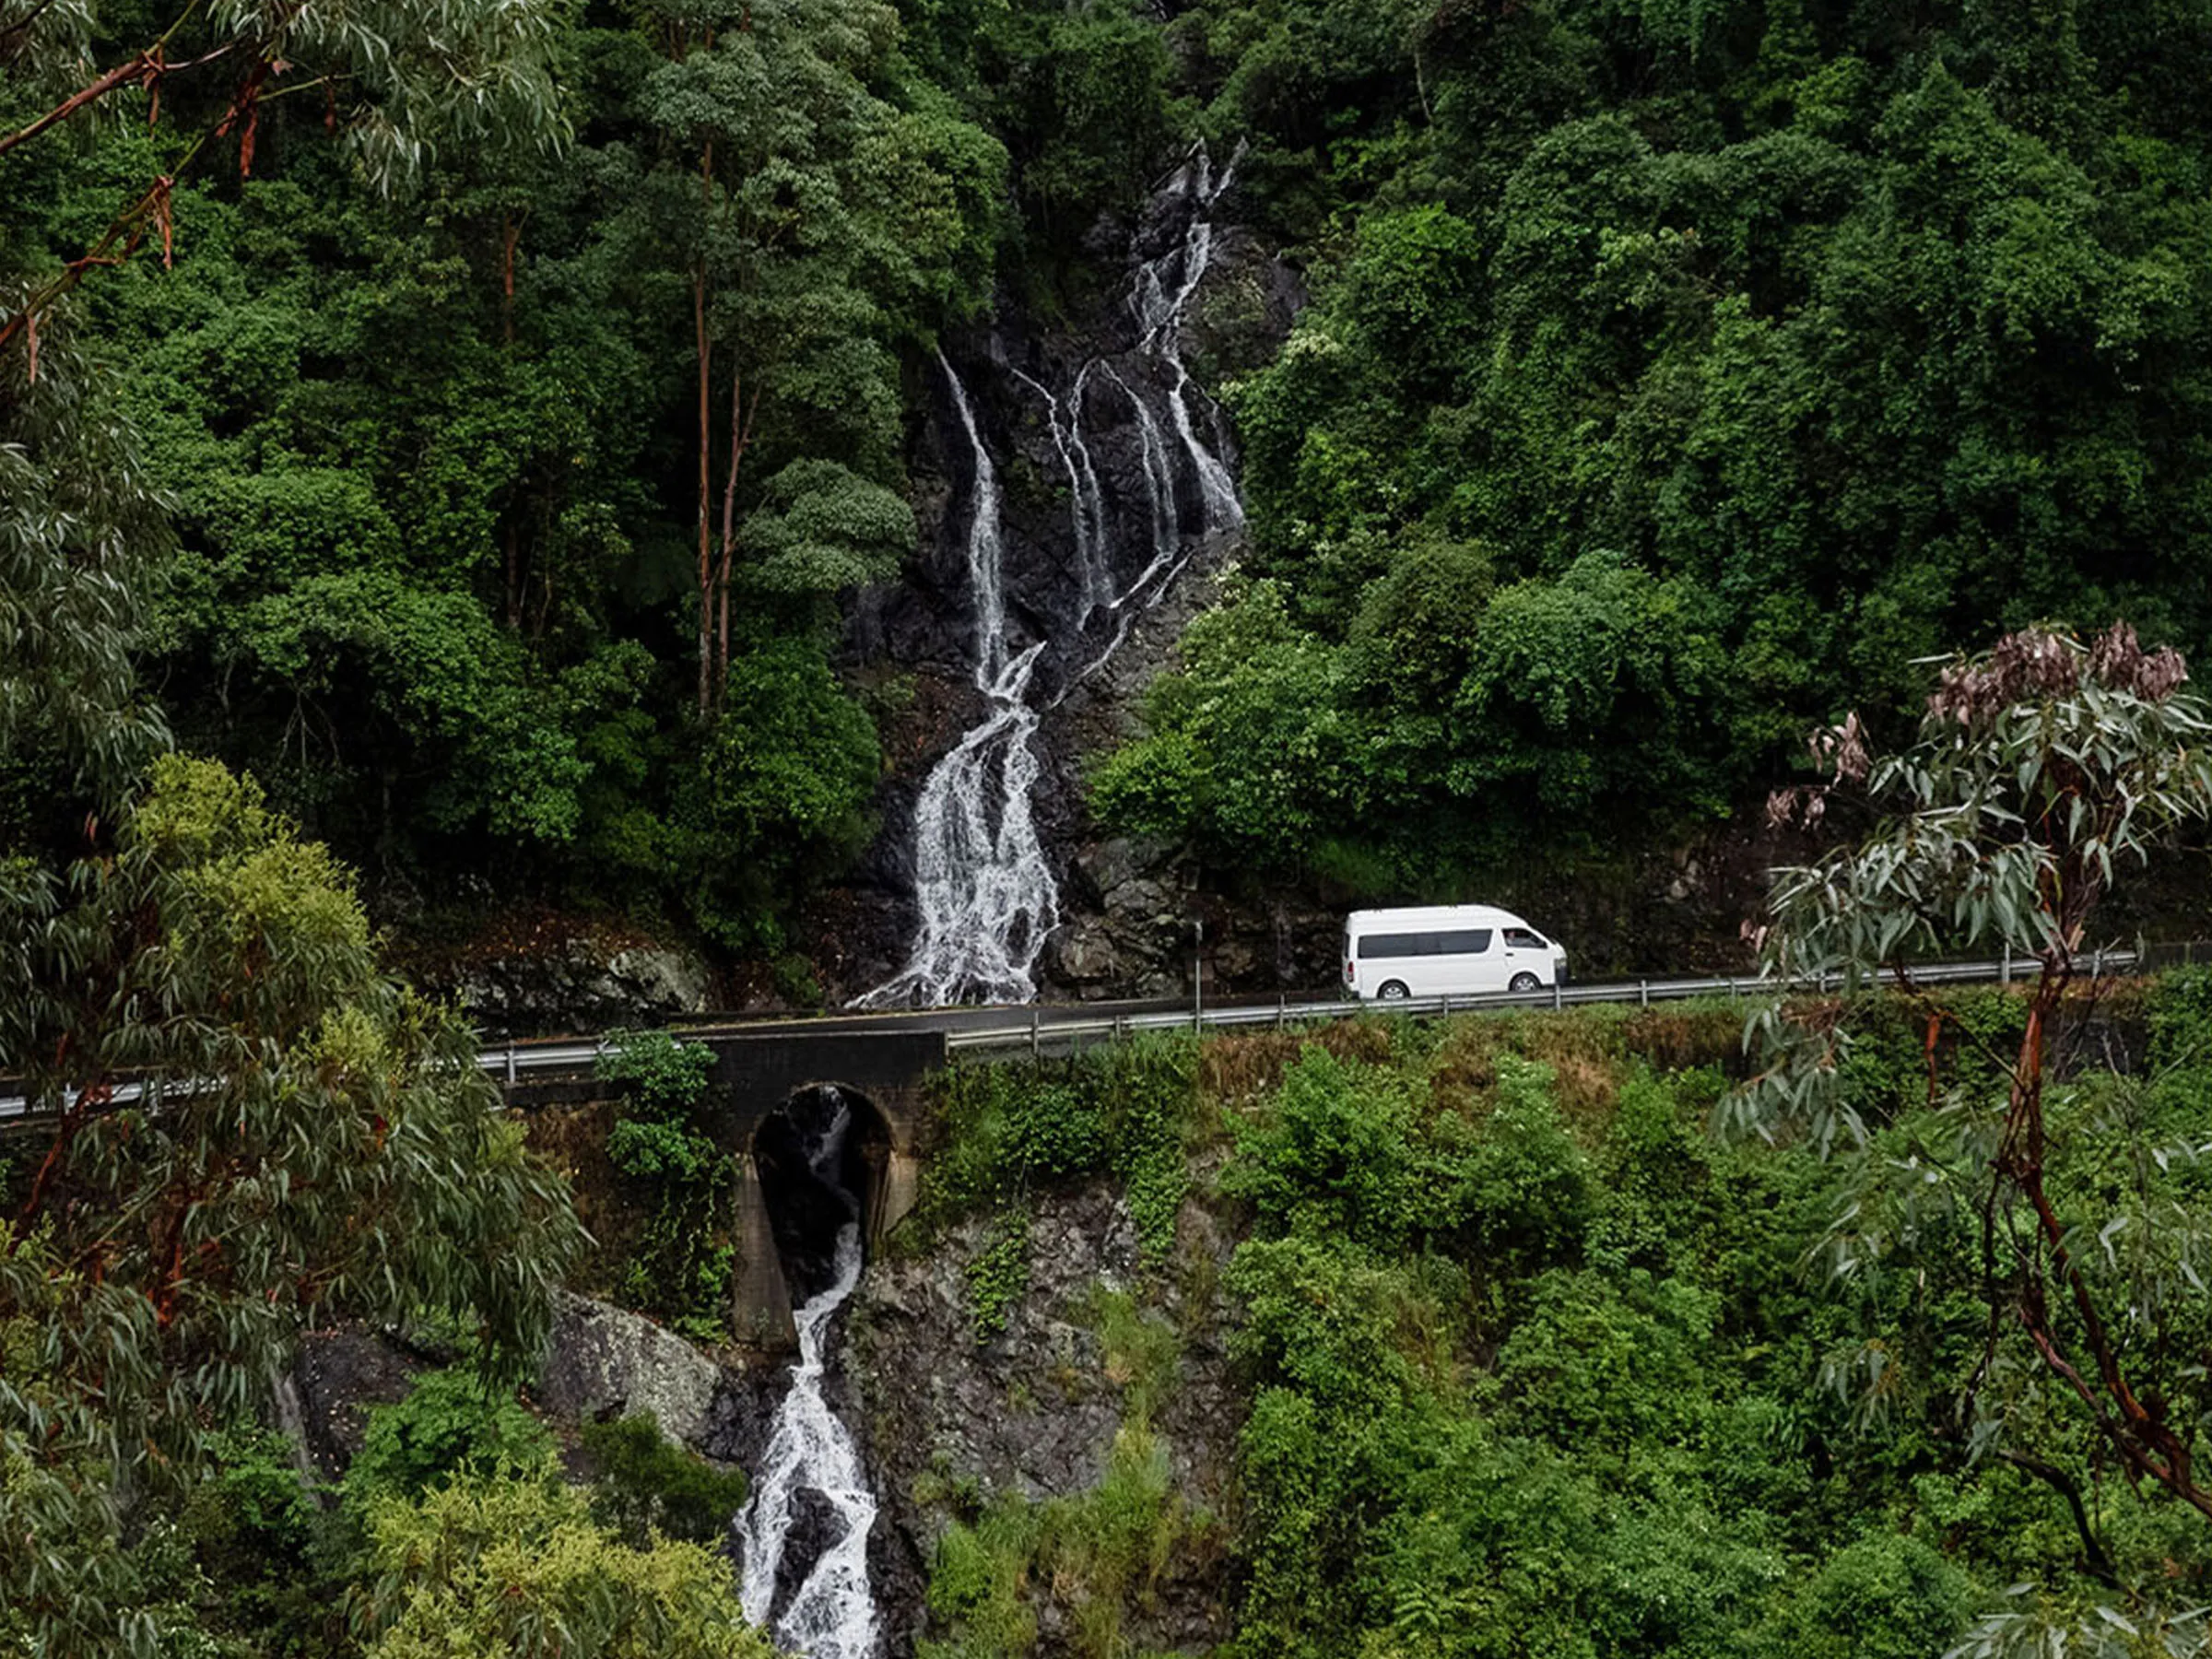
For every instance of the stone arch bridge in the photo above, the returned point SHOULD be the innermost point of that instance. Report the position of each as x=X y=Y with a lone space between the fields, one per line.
x=759 y=1074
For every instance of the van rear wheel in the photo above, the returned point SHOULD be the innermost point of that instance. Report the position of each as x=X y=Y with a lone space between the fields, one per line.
x=1394 y=991
x=1526 y=982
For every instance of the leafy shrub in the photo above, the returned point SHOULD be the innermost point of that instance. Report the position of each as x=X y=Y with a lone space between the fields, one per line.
x=998 y=1274
x=1006 y=1128
x=681 y=1263
x=1096 y=1553
x=502 y=1563
x=1331 y=1158
x=270 y=1554
x=646 y=1483
x=451 y=1420
x=1523 y=1195
x=663 y=1077
x=1055 y=1130
x=1883 y=1597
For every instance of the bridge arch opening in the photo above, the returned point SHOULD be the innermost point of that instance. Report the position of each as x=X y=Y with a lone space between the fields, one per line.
x=821 y=1159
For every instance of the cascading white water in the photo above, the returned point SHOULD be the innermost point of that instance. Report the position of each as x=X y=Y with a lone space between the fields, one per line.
x=986 y=895
x=1087 y=497
x=1159 y=320
x=985 y=891
x=831 y=1615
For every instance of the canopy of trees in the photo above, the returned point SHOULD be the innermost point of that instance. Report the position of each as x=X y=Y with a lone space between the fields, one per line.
x=1677 y=374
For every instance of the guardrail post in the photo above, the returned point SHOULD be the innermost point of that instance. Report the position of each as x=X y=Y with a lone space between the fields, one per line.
x=2097 y=964
x=1281 y=1010
x=2005 y=965
x=1034 y=1049
x=1643 y=992
x=1557 y=996
x=511 y=1063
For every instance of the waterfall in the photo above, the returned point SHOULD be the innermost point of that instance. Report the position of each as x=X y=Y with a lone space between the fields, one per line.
x=831 y=1615
x=986 y=894
x=291 y=1422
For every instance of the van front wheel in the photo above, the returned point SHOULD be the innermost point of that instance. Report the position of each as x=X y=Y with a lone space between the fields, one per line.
x=1394 y=991
x=1525 y=982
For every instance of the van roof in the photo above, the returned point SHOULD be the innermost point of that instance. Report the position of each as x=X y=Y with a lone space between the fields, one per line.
x=1434 y=915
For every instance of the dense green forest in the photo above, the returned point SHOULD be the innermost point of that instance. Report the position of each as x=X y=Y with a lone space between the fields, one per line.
x=1677 y=374
x=522 y=390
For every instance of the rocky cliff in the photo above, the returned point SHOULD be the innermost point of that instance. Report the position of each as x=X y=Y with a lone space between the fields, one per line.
x=1110 y=486
x=1109 y=1376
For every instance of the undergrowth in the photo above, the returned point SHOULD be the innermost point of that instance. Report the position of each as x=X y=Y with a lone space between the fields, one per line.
x=1531 y=1362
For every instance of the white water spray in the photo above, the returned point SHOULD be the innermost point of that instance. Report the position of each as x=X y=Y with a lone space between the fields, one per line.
x=985 y=894
x=831 y=1615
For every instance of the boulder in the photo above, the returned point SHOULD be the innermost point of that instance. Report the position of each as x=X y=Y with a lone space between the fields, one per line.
x=581 y=984
x=602 y=1361
x=340 y=1375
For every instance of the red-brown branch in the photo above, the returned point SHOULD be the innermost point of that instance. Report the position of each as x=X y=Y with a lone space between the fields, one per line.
x=2141 y=1437
x=132 y=71
x=74 y=1116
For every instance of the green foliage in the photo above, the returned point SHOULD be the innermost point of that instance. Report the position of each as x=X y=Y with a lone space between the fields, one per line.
x=779 y=795
x=266 y=1551
x=998 y=1274
x=1732 y=356
x=452 y=1421
x=425 y=450
x=1248 y=746
x=646 y=1484
x=1333 y=1160
x=312 y=1143
x=1141 y=1352
x=500 y=1563
x=1128 y=1110
x=1525 y=1196
x=1527 y=1379
x=663 y=1141
x=664 y=1078
x=1101 y=1552
x=81 y=541
x=2045 y=770
x=1883 y=1598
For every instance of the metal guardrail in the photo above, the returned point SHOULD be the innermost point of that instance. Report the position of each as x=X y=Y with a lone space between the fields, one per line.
x=511 y=1062
x=1036 y=1035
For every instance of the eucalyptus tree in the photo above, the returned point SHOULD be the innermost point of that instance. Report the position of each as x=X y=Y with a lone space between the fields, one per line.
x=81 y=535
x=239 y=1127
x=397 y=78
x=2046 y=770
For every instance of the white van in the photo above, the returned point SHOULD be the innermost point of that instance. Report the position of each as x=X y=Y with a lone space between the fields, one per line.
x=1446 y=950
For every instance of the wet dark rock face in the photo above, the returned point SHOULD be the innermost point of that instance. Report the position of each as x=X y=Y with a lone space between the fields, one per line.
x=1031 y=387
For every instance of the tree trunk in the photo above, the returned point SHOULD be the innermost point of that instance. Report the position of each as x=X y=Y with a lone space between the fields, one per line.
x=705 y=565
x=511 y=233
x=706 y=446
x=740 y=439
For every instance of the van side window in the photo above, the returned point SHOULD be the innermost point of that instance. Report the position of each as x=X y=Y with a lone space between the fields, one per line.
x=1473 y=941
x=1521 y=938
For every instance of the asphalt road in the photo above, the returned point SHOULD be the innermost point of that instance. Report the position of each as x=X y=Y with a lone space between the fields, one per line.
x=1054 y=1027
